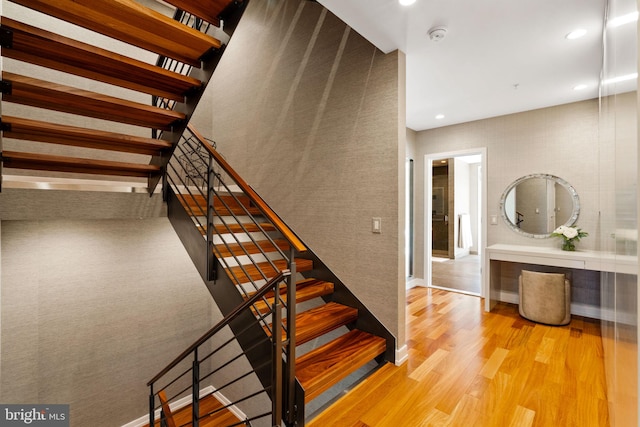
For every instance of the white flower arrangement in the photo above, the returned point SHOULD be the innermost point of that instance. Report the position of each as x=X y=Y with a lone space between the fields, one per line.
x=570 y=235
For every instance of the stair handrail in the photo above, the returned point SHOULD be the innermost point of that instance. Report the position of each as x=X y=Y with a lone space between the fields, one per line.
x=194 y=174
x=224 y=322
x=278 y=374
x=287 y=233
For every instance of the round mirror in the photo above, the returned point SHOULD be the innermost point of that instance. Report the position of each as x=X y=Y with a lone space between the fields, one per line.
x=537 y=204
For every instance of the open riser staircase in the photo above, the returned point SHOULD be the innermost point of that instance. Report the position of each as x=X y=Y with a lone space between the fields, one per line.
x=292 y=330
x=188 y=57
x=216 y=213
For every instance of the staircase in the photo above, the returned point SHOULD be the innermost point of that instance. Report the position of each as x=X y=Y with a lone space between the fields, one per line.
x=235 y=240
x=190 y=53
x=333 y=335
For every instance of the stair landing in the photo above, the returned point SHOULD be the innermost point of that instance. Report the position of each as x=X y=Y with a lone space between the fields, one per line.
x=220 y=416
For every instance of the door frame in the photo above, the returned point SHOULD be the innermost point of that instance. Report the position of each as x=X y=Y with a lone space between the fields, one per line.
x=428 y=184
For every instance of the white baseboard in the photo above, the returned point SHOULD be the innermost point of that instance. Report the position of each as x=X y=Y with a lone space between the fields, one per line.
x=233 y=408
x=185 y=401
x=402 y=354
x=591 y=311
x=415 y=281
x=510 y=297
x=458 y=291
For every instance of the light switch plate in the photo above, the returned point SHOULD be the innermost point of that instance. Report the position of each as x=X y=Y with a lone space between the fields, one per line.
x=376 y=225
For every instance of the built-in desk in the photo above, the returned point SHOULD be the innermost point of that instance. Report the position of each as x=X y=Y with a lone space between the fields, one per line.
x=580 y=259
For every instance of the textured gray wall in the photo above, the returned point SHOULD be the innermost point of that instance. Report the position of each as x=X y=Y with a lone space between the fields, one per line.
x=91 y=310
x=312 y=116
x=32 y=204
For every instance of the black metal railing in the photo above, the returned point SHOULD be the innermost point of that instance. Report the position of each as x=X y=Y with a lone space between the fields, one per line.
x=230 y=16
x=174 y=65
x=212 y=378
x=244 y=237
x=238 y=231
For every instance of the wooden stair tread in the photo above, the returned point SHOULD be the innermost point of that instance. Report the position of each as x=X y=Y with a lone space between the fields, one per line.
x=253 y=271
x=207 y=404
x=53 y=96
x=200 y=210
x=33 y=130
x=239 y=228
x=318 y=321
x=36 y=46
x=238 y=249
x=132 y=23
x=325 y=366
x=196 y=204
x=237 y=210
x=208 y=10
x=47 y=162
x=305 y=290
x=220 y=200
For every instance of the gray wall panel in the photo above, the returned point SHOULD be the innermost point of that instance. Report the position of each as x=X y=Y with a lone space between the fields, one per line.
x=91 y=310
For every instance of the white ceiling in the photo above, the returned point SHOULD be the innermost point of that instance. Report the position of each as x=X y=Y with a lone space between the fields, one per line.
x=498 y=56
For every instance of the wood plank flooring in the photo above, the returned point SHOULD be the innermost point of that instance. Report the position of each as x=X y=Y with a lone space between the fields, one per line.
x=470 y=368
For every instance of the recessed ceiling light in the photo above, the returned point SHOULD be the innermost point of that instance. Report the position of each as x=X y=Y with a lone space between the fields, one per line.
x=443 y=161
x=576 y=34
x=580 y=87
x=406 y=2
x=624 y=19
x=440 y=116
x=621 y=78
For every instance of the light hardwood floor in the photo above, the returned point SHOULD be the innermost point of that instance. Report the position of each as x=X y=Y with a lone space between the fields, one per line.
x=471 y=368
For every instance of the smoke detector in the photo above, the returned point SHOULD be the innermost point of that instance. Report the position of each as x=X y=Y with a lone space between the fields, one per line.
x=436 y=34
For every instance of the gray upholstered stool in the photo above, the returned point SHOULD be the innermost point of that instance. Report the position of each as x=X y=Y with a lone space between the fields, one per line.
x=545 y=297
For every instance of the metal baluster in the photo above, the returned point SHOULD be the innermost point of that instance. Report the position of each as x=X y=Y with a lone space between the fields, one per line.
x=211 y=270
x=195 y=390
x=291 y=338
x=276 y=336
x=152 y=406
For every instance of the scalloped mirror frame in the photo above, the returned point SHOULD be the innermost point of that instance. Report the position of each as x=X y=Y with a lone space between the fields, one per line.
x=573 y=218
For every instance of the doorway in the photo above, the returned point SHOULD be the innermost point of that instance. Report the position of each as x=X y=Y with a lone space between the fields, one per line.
x=455 y=226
